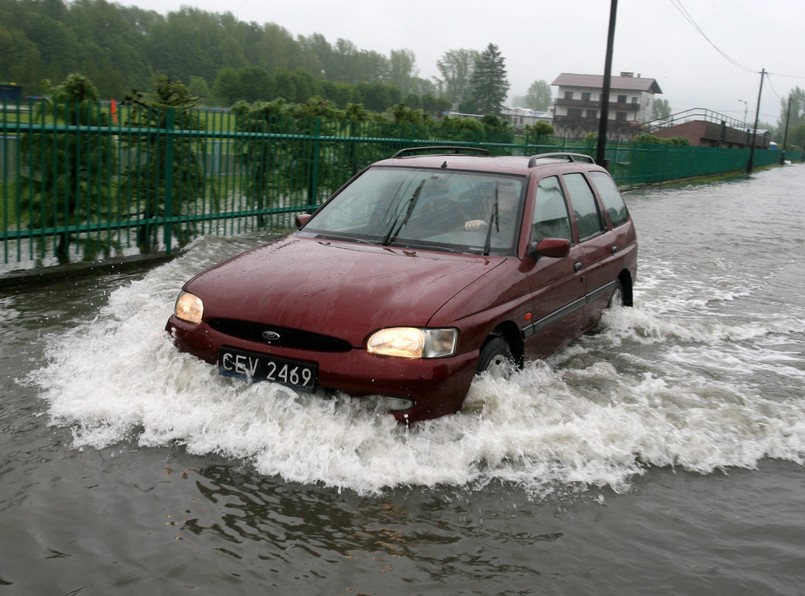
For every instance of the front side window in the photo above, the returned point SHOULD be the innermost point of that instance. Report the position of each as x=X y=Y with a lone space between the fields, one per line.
x=611 y=197
x=550 y=214
x=585 y=207
x=429 y=209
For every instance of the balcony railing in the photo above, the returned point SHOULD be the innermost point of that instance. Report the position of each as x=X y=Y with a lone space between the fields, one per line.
x=586 y=104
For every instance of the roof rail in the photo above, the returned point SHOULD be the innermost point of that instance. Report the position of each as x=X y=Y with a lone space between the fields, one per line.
x=440 y=150
x=571 y=157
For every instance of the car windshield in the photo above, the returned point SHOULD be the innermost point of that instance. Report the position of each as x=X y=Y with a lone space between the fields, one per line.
x=420 y=208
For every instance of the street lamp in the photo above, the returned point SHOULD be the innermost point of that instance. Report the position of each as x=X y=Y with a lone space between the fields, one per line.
x=746 y=109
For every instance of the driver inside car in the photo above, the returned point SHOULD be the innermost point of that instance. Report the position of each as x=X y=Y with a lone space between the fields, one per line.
x=507 y=199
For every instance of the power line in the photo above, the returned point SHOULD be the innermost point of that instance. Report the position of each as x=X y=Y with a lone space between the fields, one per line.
x=683 y=11
x=767 y=75
x=678 y=5
x=773 y=90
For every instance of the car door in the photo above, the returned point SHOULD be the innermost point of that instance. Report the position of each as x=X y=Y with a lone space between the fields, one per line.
x=623 y=230
x=558 y=291
x=598 y=247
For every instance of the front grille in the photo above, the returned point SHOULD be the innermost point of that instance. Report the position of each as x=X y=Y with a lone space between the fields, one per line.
x=288 y=338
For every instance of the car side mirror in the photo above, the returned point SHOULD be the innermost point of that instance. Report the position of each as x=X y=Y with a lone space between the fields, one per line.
x=302 y=219
x=554 y=248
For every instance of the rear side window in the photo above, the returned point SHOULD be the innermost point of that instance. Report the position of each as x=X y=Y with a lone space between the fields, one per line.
x=613 y=201
x=588 y=217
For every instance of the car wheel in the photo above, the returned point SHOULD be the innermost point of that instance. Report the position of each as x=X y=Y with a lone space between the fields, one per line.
x=618 y=298
x=496 y=359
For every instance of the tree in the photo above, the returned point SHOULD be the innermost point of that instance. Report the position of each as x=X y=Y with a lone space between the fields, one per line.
x=794 y=117
x=298 y=86
x=255 y=84
x=661 y=109
x=461 y=129
x=540 y=130
x=378 y=97
x=796 y=136
x=402 y=114
x=20 y=56
x=420 y=86
x=341 y=94
x=456 y=68
x=319 y=56
x=145 y=184
x=275 y=49
x=67 y=174
x=109 y=40
x=198 y=88
x=59 y=47
x=402 y=70
x=435 y=106
x=539 y=96
x=497 y=129
x=489 y=84
x=226 y=87
x=262 y=157
x=120 y=48
x=352 y=65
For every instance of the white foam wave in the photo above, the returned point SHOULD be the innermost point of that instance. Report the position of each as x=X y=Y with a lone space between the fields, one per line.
x=647 y=390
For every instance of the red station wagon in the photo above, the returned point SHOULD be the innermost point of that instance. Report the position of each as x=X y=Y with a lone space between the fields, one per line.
x=421 y=272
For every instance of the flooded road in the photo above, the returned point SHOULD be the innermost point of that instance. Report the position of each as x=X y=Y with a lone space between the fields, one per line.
x=663 y=454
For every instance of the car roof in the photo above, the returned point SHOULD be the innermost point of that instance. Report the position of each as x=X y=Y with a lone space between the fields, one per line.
x=478 y=160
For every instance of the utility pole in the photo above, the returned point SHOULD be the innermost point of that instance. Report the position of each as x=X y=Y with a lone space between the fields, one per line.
x=785 y=134
x=750 y=163
x=600 y=156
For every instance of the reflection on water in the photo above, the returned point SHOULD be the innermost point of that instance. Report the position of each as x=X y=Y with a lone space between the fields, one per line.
x=279 y=520
x=284 y=517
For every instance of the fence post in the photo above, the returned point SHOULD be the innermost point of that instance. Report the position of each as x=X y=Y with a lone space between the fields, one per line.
x=313 y=186
x=170 y=126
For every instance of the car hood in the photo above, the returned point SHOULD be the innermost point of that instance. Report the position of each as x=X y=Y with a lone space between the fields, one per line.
x=340 y=289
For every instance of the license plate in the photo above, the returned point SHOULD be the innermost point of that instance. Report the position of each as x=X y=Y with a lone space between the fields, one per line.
x=293 y=373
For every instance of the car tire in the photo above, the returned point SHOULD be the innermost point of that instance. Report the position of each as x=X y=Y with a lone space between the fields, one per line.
x=496 y=359
x=618 y=297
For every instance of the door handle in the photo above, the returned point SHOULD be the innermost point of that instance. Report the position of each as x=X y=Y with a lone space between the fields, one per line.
x=577 y=266
x=614 y=249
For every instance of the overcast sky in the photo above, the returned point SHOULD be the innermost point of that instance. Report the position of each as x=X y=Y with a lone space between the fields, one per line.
x=710 y=57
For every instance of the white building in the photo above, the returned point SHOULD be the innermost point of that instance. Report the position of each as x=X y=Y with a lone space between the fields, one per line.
x=522 y=117
x=577 y=106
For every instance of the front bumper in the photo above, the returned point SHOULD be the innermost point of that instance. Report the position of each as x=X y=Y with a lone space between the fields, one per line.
x=435 y=386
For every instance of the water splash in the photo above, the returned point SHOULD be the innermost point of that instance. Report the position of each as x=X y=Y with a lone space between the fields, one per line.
x=656 y=386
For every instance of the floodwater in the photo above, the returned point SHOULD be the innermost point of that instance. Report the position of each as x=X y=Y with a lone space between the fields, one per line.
x=663 y=454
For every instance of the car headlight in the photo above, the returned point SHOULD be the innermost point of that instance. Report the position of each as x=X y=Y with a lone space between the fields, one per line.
x=189 y=307
x=413 y=342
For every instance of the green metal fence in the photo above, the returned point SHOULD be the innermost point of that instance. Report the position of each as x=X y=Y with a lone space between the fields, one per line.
x=105 y=185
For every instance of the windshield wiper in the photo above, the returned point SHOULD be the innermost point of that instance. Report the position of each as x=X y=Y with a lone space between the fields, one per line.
x=347 y=238
x=493 y=219
x=395 y=229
